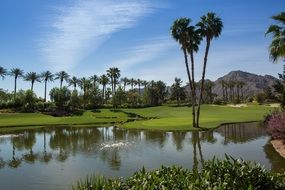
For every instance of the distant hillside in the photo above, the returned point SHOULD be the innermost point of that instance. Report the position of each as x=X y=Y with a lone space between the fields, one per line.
x=253 y=83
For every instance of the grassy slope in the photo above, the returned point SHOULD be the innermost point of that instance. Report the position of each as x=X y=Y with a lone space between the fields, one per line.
x=38 y=119
x=169 y=118
x=180 y=118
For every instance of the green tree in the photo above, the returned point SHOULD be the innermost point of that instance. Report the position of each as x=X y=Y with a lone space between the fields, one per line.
x=61 y=97
x=210 y=27
x=125 y=81
x=104 y=80
x=74 y=100
x=32 y=77
x=94 y=79
x=277 y=46
x=16 y=73
x=155 y=93
x=119 y=98
x=114 y=74
x=73 y=82
x=3 y=72
x=62 y=76
x=46 y=76
x=139 y=83
x=132 y=82
x=96 y=97
x=85 y=85
x=30 y=100
x=177 y=92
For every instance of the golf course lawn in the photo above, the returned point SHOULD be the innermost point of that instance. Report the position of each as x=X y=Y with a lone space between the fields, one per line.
x=104 y=116
x=166 y=118
x=180 y=118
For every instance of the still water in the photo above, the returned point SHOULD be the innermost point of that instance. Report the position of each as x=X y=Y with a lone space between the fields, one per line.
x=55 y=158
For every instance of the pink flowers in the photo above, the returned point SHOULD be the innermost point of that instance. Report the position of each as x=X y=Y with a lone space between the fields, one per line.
x=276 y=125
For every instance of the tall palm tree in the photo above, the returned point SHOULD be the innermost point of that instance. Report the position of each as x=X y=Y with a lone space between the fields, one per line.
x=144 y=83
x=114 y=74
x=33 y=77
x=3 y=72
x=277 y=46
x=46 y=76
x=132 y=82
x=104 y=80
x=210 y=27
x=73 y=82
x=180 y=32
x=139 y=83
x=125 y=81
x=85 y=85
x=16 y=73
x=94 y=79
x=62 y=76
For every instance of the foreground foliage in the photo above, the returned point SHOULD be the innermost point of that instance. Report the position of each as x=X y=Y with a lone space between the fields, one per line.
x=216 y=174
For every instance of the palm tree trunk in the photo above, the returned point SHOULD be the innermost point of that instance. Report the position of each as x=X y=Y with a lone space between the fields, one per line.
x=15 y=85
x=32 y=87
x=45 y=99
x=115 y=86
x=61 y=83
x=193 y=90
x=191 y=86
x=203 y=79
x=139 y=90
x=104 y=93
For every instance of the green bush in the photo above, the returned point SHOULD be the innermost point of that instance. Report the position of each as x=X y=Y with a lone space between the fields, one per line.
x=216 y=174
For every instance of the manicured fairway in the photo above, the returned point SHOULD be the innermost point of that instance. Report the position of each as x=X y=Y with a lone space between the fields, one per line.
x=180 y=118
x=166 y=118
x=105 y=116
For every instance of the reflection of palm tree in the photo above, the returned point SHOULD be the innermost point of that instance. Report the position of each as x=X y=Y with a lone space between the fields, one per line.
x=208 y=136
x=196 y=142
x=178 y=138
x=14 y=162
x=60 y=140
x=46 y=157
x=156 y=136
x=29 y=141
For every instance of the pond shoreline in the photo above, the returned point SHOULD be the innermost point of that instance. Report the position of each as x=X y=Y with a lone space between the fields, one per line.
x=279 y=146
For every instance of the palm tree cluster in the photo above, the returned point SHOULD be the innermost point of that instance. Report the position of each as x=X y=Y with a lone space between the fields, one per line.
x=92 y=83
x=233 y=90
x=189 y=37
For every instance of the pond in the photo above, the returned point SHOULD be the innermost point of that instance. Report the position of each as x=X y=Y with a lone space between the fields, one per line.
x=55 y=158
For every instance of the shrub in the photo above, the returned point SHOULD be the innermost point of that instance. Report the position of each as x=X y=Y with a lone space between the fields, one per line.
x=275 y=125
x=216 y=174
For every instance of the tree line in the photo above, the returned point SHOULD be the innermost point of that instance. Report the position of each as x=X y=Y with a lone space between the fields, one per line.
x=94 y=91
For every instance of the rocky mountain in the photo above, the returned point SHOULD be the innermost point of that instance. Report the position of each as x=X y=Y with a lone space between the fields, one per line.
x=253 y=83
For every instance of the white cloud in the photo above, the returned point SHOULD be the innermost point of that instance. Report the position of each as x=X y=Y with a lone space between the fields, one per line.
x=78 y=29
x=142 y=53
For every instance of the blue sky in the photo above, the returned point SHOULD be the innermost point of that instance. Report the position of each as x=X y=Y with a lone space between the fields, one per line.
x=86 y=37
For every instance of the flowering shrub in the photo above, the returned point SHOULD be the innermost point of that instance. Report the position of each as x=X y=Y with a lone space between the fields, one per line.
x=275 y=125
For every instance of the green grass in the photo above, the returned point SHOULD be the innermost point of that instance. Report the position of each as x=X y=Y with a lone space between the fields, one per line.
x=105 y=116
x=180 y=118
x=166 y=118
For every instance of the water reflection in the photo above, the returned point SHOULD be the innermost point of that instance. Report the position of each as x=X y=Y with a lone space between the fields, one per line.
x=241 y=132
x=111 y=149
